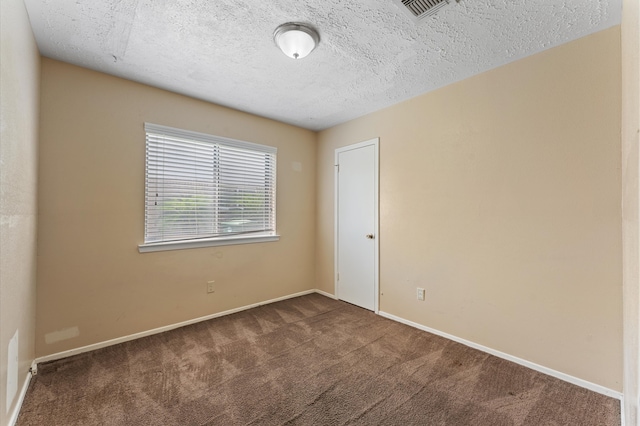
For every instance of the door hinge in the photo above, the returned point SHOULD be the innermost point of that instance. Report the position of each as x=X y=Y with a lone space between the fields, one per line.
x=338 y=276
x=338 y=167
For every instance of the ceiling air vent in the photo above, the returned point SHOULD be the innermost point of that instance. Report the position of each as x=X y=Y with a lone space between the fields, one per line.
x=420 y=9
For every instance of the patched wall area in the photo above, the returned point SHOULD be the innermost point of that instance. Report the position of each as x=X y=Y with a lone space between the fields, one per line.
x=19 y=85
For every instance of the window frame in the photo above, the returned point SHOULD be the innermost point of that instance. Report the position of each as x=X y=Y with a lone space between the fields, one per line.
x=234 y=239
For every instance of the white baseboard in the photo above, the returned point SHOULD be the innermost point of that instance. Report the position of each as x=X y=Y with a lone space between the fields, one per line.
x=13 y=418
x=562 y=376
x=325 y=294
x=104 y=344
x=557 y=374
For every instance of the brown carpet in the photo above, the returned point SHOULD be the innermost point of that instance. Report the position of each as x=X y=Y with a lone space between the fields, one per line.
x=305 y=361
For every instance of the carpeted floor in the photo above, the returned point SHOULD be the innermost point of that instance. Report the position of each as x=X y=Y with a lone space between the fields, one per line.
x=304 y=361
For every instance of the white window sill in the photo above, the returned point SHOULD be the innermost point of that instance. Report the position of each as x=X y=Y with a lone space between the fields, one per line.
x=209 y=242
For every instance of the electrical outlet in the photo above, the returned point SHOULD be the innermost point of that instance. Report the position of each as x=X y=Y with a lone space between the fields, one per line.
x=420 y=293
x=211 y=287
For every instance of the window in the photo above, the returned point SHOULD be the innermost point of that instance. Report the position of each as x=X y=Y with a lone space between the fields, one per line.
x=204 y=190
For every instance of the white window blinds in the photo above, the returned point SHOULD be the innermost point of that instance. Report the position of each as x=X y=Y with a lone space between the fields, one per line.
x=200 y=186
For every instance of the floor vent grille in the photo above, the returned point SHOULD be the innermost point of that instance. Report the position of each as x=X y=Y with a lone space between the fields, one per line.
x=420 y=9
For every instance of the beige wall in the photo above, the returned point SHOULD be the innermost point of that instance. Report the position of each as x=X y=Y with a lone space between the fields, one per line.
x=90 y=273
x=631 y=211
x=19 y=80
x=500 y=195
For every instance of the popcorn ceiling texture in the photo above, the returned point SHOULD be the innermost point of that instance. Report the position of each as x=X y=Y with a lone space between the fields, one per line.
x=371 y=54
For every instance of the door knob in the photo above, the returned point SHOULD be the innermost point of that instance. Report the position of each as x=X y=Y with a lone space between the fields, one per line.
x=370 y=236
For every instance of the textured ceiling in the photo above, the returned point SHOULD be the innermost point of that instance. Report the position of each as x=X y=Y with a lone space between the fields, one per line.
x=371 y=54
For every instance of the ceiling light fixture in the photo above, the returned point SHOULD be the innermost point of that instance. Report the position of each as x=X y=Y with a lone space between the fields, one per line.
x=296 y=40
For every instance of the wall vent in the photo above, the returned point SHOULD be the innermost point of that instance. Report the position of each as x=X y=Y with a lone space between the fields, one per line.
x=421 y=9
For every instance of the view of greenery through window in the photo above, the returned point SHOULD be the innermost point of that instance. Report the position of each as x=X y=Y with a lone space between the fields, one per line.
x=199 y=213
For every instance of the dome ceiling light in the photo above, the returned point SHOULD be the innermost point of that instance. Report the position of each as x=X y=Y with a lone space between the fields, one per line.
x=296 y=40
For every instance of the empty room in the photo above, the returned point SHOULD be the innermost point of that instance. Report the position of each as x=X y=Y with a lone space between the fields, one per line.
x=375 y=212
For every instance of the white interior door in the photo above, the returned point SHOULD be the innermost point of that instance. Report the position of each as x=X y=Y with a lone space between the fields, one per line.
x=357 y=224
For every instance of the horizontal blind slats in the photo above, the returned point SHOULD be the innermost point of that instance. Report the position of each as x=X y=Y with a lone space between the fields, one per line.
x=202 y=186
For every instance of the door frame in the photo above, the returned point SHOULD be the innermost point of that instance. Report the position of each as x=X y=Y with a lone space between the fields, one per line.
x=376 y=241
